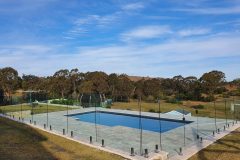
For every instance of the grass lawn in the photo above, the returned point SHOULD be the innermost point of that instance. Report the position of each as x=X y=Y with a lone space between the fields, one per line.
x=36 y=110
x=227 y=148
x=207 y=111
x=21 y=142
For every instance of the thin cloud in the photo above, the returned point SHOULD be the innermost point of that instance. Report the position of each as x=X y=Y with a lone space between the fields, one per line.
x=193 y=32
x=211 y=11
x=133 y=6
x=146 y=32
x=81 y=25
x=96 y=19
x=177 y=56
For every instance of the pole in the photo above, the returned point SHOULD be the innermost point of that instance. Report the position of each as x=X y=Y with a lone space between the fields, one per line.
x=95 y=118
x=140 y=123
x=234 y=111
x=197 y=123
x=32 y=112
x=225 y=105
x=81 y=100
x=215 y=116
x=30 y=97
x=30 y=94
x=67 y=118
x=21 y=111
x=184 y=130
x=100 y=99
x=47 y=113
x=160 y=124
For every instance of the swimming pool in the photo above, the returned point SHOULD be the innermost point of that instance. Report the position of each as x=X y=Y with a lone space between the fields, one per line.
x=129 y=120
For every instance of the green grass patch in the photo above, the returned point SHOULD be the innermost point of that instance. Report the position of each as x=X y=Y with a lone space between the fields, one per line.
x=35 y=110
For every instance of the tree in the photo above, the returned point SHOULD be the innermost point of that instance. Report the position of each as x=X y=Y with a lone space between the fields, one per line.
x=31 y=82
x=86 y=87
x=9 y=80
x=211 y=81
x=113 y=81
x=124 y=87
x=138 y=89
x=99 y=81
x=167 y=86
x=76 y=78
x=61 y=82
x=192 y=88
x=236 y=82
x=152 y=88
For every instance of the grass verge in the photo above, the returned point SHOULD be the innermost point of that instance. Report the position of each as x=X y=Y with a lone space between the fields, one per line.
x=35 y=110
x=21 y=142
x=208 y=109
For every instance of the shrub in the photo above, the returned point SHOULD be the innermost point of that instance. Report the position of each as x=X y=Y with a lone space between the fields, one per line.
x=152 y=110
x=226 y=95
x=63 y=101
x=108 y=106
x=173 y=100
x=208 y=99
x=234 y=93
x=198 y=106
x=220 y=90
x=150 y=98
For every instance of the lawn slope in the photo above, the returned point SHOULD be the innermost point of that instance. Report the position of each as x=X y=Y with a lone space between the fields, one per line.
x=21 y=142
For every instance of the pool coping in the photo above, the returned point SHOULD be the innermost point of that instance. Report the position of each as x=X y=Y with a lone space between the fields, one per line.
x=132 y=115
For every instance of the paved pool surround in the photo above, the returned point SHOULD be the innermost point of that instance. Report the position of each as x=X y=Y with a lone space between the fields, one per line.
x=122 y=139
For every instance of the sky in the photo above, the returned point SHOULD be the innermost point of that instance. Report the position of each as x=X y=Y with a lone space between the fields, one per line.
x=156 y=38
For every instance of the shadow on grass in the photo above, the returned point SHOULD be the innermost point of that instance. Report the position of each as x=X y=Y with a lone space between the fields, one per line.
x=21 y=142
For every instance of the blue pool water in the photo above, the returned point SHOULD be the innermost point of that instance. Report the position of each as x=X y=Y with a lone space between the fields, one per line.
x=127 y=120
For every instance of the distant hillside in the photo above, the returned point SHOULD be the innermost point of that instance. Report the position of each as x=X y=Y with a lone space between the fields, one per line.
x=231 y=87
x=138 y=78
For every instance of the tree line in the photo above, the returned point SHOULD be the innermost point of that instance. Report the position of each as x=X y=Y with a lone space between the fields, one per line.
x=73 y=83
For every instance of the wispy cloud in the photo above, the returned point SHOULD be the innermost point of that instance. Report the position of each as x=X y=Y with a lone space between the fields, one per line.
x=96 y=19
x=156 y=31
x=235 y=22
x=193 y=32
x=81 y=26
x=175 y=57
x=146 y=32
x=133 y=6
x=211 y=11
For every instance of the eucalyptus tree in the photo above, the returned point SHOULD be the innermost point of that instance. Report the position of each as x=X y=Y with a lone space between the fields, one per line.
x=61 y=83
x=139 y=89
x=31 y=82
x=125 y=87
x=211 y=81
x=9 y=80
x=76 y=79
x=112 y=81
x=152 y=87
x=192 y=88
x=99 y=82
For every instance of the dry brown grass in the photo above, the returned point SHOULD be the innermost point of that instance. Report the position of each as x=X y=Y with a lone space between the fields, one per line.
x=21 y=142
x=207 y=111
x=227 y=148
